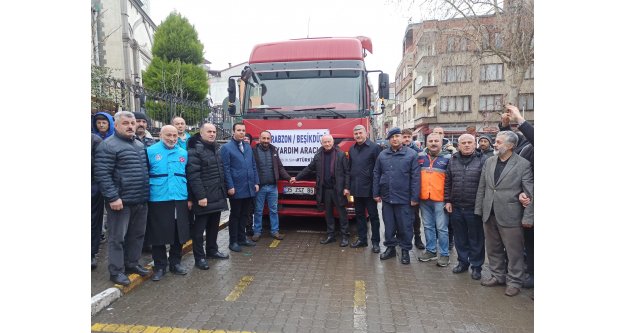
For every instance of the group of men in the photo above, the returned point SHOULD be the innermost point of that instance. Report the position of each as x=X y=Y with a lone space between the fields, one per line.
x=155 y=192
x=485 y=195
x=181 y=191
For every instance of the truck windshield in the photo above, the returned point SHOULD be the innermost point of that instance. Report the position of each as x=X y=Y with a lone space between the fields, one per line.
x=309 y=93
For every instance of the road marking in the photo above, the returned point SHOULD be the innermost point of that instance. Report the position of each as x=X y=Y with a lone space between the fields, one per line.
x=239 y=288
x=119 y=328
x=274 y=243
x=360 y=315
x=310 y=232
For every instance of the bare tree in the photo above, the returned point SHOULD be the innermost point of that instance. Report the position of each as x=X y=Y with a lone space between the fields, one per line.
x=509 y=35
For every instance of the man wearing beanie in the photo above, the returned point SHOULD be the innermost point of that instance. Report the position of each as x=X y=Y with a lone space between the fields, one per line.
x=142 y=129
x=485 y=145
x=397 y=183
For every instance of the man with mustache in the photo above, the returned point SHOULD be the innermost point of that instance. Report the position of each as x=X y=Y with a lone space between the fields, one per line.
x=121 y=171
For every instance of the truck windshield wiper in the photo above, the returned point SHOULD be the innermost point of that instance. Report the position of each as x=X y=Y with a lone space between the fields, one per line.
x=329 y=109
x=274 y=109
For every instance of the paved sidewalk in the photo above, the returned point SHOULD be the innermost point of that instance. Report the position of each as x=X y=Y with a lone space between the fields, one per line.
x=104 y=292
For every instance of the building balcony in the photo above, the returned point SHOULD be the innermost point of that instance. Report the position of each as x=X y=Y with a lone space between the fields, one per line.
x=426 y=91
x=425 y=63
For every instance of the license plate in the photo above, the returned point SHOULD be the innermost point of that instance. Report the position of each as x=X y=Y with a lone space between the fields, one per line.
x=299 y=190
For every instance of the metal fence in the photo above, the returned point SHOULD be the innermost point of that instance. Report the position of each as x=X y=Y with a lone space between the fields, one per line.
x=114 y=95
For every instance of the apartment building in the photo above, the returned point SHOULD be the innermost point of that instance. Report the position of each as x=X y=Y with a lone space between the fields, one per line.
x=443 y=80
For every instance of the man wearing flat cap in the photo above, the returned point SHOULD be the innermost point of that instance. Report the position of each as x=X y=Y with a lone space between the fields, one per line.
x=397 y=184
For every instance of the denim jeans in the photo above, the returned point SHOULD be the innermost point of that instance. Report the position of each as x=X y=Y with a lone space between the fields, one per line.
x=269 y=192
x=434 y=219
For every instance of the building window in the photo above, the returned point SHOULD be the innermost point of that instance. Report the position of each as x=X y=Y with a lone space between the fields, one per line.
x=457 y=44
x=491 y=103
x=455 y=104
x=529 y=73
x=498 y=40
x=414 y=111
x=526 y=102
x=491 y=72
x=456 y=74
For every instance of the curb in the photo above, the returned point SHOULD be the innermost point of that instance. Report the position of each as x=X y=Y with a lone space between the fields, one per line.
x=110 y=295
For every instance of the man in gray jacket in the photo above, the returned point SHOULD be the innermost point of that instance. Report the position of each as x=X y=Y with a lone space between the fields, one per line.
x=503 y=178
x=121 y=170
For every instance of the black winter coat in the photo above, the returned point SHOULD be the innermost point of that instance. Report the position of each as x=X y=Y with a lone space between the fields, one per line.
x=121 y=170
x=462 y=182
x=361 y=162
x=341 y=175
x=205 y=176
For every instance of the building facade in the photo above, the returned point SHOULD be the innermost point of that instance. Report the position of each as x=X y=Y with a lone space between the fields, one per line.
x=443 y=80
x=122 y=39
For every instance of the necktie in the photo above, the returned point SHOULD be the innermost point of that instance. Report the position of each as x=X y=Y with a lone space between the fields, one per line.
x=241 y=146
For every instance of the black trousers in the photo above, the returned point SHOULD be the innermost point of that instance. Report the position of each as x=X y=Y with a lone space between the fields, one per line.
x=97 y=215
x=528 y=234
x=331 y=200
x=416 y=226
x=159 y=253
x=239 y=210
x=210 y=223
x=360 y=204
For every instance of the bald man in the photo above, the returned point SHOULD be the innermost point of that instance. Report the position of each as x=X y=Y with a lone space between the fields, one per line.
x=332 y=185
x=461 y=182
x=168 y=220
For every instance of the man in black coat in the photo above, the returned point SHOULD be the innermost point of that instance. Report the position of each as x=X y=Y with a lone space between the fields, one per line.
x=332 y=181
x=207 y=191
x=461 y=182
x=97 y=206
x=362 y=156
x=121 y=171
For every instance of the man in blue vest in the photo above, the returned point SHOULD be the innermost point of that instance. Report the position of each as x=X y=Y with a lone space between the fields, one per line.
x=168 y=221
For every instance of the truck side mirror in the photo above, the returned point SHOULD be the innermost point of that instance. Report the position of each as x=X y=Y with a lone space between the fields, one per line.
x=383 y=85
x=232 y=90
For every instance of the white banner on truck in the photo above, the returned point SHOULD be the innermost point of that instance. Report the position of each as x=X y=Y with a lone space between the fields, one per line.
x=297 y=147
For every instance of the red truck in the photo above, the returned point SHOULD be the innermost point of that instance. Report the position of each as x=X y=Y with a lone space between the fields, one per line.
x=300 y=90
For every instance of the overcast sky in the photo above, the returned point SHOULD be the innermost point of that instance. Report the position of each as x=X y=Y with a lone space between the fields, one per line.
x=229 y=29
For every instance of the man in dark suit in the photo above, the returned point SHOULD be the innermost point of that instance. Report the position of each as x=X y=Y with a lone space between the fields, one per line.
x=504 y=176
x=331 y=168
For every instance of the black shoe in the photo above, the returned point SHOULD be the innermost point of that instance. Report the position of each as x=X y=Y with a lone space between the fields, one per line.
x=94 y=263
x=201 y=264
x=476 y=274
x=344 y=242
x=388 y=253
x=376 y=248
x=137 y=270
x=247 y=242
x=158 y=274
x=359 y=243
x=405 y=257
x=178 y=269
x=234 y=247
x=460 y=268
x=330 y=239
x=418 y=243
x=120 y=278
x=217 y=255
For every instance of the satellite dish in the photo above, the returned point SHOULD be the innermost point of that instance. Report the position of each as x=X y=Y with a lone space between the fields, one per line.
x=419 y=79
